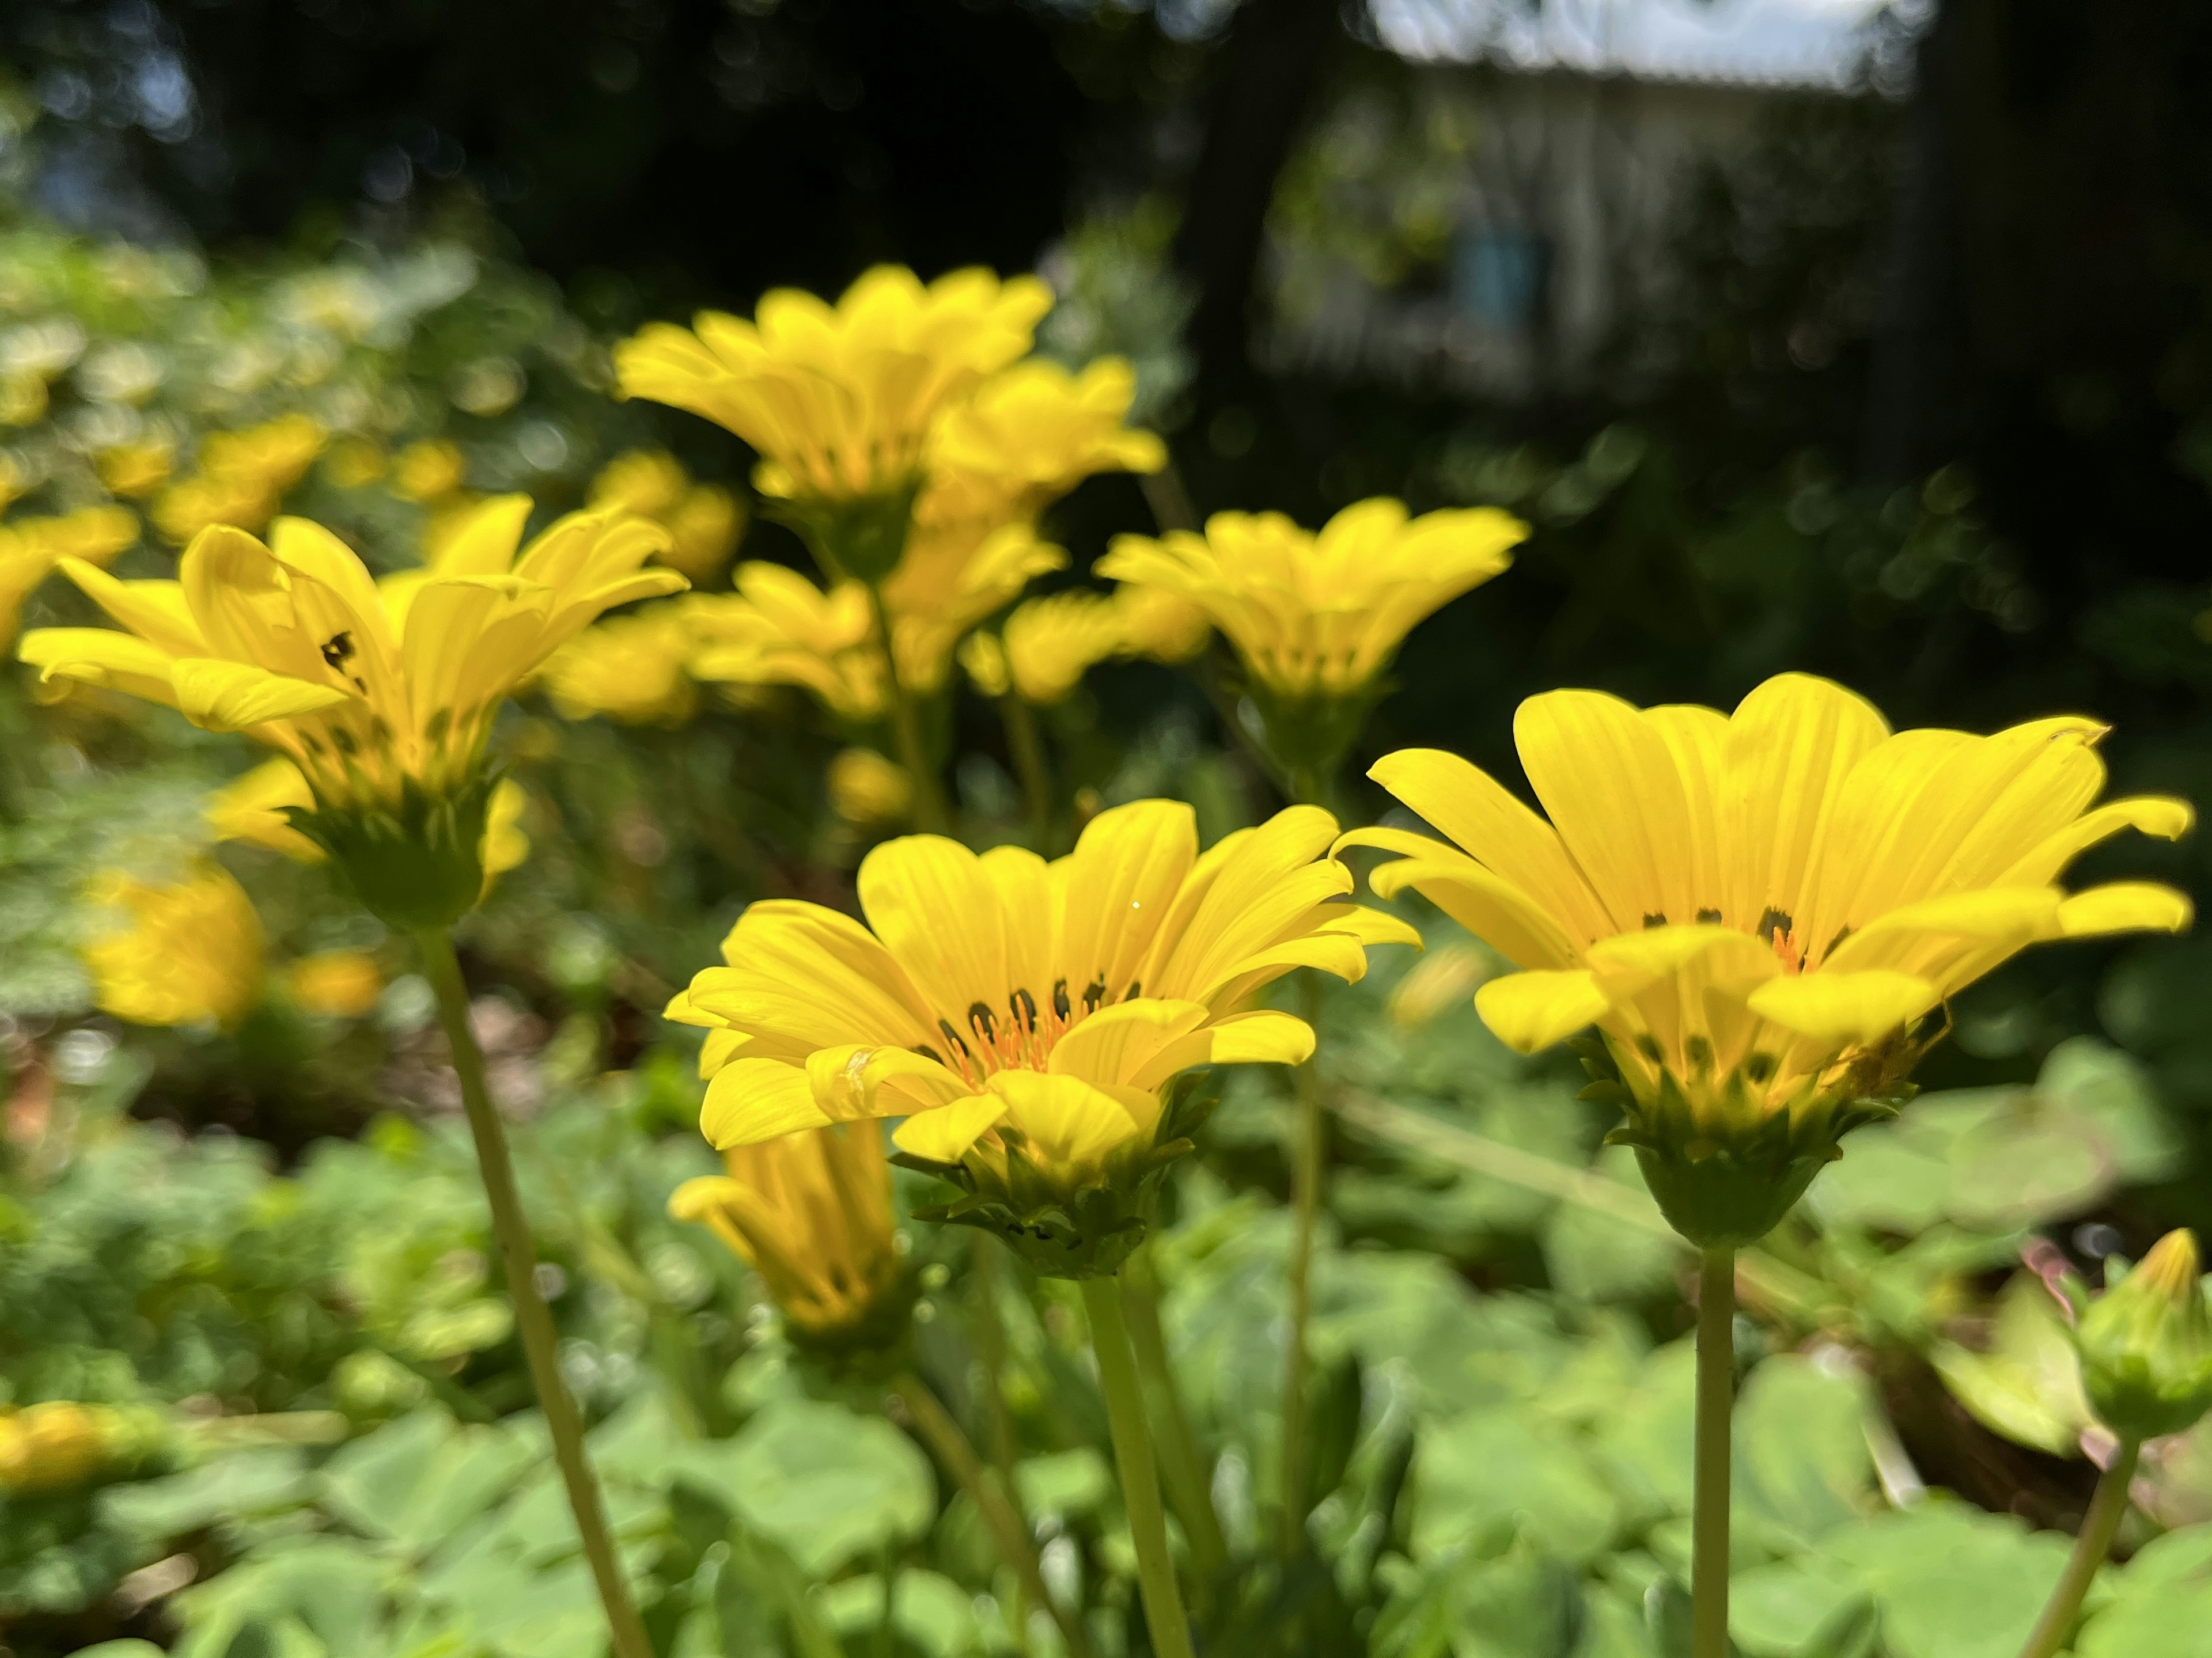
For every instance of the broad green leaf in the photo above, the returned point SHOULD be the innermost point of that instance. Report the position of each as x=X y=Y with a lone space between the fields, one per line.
x=1065 y=1483
x=417 y=1480
x=1776 y=1611
x=1800 y=1453
x=1489 y=1473
x=931 y=1613
x=2028 y=1386
x=235 y=1487
x=823 y=1484
x=1951 y=1582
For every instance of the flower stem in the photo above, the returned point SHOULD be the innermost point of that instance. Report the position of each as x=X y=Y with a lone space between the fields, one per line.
x=1183 y=1466
x=1141 y=1476
x=2107 y=1510
x=1028 y=750
x=1309 y=1164
x=1709 y=1521
x=934 y=1424
x=533 y=1320
x=930 y=814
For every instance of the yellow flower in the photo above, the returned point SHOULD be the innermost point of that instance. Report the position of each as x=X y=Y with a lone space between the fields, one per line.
x=1321 y=615
x=136 y=470
x=354 y=464
x=1026 y=1018
x=840 y=401
x=1031 y=433
x=1051 y=643
x=428 y=472
x=703 y=522
x=945 y=584
x=983 y=658
x=252 y=809
x=337 y=984
x=191 y=954
x=866 y=788
x=60 y=1445
x=1442 y=979
x=1160 y=625
x=382 y=694
x=1756 y=910
x=241 y=479
x=631 y=668
x=811 y=1214
x=779 y=629
x=31 y=547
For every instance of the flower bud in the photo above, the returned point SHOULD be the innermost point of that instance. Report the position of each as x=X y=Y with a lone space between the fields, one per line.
x=2146 y=1344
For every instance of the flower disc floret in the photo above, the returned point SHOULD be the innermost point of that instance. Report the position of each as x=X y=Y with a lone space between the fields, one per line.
x=1025 y=1018
x=1760 y=911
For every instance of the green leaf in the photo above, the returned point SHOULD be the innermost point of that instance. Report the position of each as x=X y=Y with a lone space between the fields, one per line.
x=2161 y=1604
x=234 y=1488
x=931 y=1613
x=1065 y=1483
x=1951 y=1581
x=419 y=1480
x=1778 y=1611
x=1801 y=1452
x=1496 y=1471
x=823 y=1484
x=2026 y=1387
x=307 y=1594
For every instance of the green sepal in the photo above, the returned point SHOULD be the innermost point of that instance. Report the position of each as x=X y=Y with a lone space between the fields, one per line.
x=1083 y=1231
x=858 y=539
x=2146 y=1354
x=1725 y=1180
x=418 y=865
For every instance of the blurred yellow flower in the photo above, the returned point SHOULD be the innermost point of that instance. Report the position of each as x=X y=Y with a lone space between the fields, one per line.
x=1756 y=910
x=335 y=984
x=1321 y=615
x=192 y=952
x=382 y=694
x=703 y=521
x=839 y=401
x=866 y=789
x=22 y=399
x=31 y=547
x=60 y=1445
x=1161 y=626
x=1051 y=643
x=634 y=669
x=983 y=659
x=811 y=1214
x=1025 y=1018
x=134 y=469
x=945 y=584
x=354 y=464
x=779 y=629
x=242 y=477
x=428 y=472
x=1029 y=435
x=1443 y=979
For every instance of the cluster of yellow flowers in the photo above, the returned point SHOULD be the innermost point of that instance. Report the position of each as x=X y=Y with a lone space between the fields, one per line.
x=241 y=480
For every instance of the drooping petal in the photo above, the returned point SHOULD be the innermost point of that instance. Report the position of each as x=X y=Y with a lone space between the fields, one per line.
x=2125 y=906
x=155 y=610
x=2162 y=815
x=100 y=656
x=1529 y=1012
x=219 y=696
x=752 y=1100
x=1844 y=1007
x=1261 y=1038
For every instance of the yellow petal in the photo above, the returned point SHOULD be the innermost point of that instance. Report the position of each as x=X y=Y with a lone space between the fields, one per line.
x=944 y=1135
x=1113 y=1044
x=2162 y=815
x=1262 y=1038
x=937 y=910
x=1115 y=890
x=1626 y=964
x=1372 y=926
x=1844 y=1007
x=858 y=1081
x=101 y=656
x=1072 y=1124
x=751 y=1101
x=2125 y=906
x=1790 y=745
x=1492 y=908
x=1529 y=1012
x=229 y=696
x=718 y=1050
x=484 y=541
x=1497 y=831
x=154 y=611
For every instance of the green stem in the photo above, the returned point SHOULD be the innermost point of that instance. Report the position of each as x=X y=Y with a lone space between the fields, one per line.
x=930 y=814
x=1708 y=1514
x=1141 y=1476
x=991 y=1354
x=1169 y=501
x=2107 y=1510
x=1028 y=750
x=533 y=1320
x=1183 y=1464
x=934 y=1424
x=1309 y=1162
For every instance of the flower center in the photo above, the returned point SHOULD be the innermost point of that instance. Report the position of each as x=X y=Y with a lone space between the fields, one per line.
x=1023 y=1037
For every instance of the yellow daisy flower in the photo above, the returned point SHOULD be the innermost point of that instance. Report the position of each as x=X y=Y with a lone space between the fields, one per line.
x=633 y=669
x=946 y=584
x=1757 y=911
x=242 y=477
x=381 y=693
x=811 y=1214
x=1160 y=625
x=1316 y=618
x=703 y=522
x=133 y=469
x=1027 y=1019
x=1030 y=434
x=192 y=952
x=1050 y=644
x=865 y=788
x=840 y=401
x=779 y=629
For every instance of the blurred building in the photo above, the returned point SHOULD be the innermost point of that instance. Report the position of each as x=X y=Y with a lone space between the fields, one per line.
x=1495 y=213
